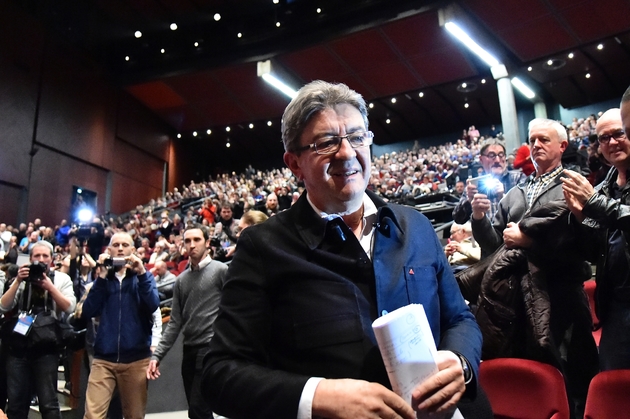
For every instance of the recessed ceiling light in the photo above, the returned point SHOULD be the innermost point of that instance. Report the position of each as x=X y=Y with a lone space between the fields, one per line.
x=371 y=105
x=421 y=94
x=162 y=50
x=173 y=26
x=268 y=123
x=464 y=85
x=194 y=133
x=217 y=17
x=179 y=135
x=276 y=1
x=138 y=34
x=277 y=24
x=570 y=55
x=126 y=58
x=196 y=44
x=251 y=126
x=393 y=100
x=319 y=10
x=228 y=129
x=387 y=121
x=600 y=47
x=483 y=81
x=209 y=132
x=227 y=145
x=530 y=68
x=466 y=105
x=549 y=62
x=240 y=35
x=588 y=75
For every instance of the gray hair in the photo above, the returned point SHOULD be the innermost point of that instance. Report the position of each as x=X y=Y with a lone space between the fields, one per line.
x=489 y=142
x=312 y=99
x=626 y=96
x=560 y=129
x=42 y=243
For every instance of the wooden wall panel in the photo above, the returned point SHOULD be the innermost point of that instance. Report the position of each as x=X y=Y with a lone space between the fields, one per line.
x=54 y=175
x=137 y=165
x=136 y=192
x=9 y=204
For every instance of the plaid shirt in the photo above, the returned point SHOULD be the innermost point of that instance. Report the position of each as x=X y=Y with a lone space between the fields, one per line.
x=535 y=185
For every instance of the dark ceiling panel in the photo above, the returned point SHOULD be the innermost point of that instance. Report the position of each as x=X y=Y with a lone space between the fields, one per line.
x=507 y=15
x=593 y=20
x=537 y=38
x=389 y=78
x=442 y=66
x=156 y=95
x=314 y=63
x=364 y=50
x=418 y=34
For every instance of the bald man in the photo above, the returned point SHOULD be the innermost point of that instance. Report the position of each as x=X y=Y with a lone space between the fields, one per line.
x=125 y=296
x=606 y=210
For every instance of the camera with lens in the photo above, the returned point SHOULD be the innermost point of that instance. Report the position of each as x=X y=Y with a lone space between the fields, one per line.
x=36 y=271
x=114 y=263
x=220 y=253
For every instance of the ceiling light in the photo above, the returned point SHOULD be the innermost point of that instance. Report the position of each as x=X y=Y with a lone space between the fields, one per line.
x=570 y=55
x=276 y=1
x=228 y=129
x=196 y=44
x=194 y=133
x=393 y=100
x=126 y=58
x=162 y=50
x=251 y=126
x=483 y=81
x=268 y=123
x=264 y=70
x=472 y=45
x=421 y=94
x=524 y=89
x=138 y=34
x=209 y=132
x=240 y=35
x=464 y=85
x=217 y=17
x=277 y=24
x=387 y=121
x=173 y=26
x=227 y=144
x=529 y=68
x=179 y=135
x=319 y=10
x=549 y=62
x=371 y=105
x=466 y=105
x=588 y=75
x=600 y=47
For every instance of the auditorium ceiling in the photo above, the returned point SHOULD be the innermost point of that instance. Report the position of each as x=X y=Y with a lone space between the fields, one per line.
x=203 y=75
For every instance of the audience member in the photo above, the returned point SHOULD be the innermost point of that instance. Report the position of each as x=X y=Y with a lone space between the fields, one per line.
x=606 y=208
x=461 y=250
x=523 y=160
x=196 y=296
x=544 y=313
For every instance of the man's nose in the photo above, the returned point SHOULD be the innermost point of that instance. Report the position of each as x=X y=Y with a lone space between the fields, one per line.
x=345 y=148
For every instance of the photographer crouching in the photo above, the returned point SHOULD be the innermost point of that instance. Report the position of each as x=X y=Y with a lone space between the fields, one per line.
x=36 y=298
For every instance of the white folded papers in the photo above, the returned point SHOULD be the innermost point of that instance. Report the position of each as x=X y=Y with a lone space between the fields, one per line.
x=406 y=343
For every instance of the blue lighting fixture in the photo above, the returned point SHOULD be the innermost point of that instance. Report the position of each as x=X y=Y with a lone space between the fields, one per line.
x=266 y=73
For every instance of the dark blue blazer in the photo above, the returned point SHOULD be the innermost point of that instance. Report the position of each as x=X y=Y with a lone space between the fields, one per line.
x=300 y=298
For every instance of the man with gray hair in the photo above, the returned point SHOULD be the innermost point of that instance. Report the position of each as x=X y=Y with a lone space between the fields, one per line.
x=543 y=253
x=294 y=331
x=30 y=366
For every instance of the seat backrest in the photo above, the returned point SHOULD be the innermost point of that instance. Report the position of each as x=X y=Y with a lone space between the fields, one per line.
x=609 y=395
x=524 y=389
x=181 y=266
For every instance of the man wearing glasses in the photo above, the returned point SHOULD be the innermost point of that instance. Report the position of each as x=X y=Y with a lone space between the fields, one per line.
x=293 y=338
x=606 y=209
x=500 y=181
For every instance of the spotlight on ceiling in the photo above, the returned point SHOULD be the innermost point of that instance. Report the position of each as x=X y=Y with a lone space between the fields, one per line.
x=173 y=26
x=217 y=17
x=523 y=88
x=264 y=69
x=138 y=34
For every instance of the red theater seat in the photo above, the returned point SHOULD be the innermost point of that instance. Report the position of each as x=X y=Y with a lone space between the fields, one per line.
x=609 y=395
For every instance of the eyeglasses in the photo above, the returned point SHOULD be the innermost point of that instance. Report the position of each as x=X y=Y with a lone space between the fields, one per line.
x=493 y=156
x=617 y=135
x=331 y=144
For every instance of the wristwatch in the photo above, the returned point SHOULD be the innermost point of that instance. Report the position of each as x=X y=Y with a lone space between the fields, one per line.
x=466 y=368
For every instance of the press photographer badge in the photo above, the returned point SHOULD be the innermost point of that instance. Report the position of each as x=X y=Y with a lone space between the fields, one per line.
x=23 y=324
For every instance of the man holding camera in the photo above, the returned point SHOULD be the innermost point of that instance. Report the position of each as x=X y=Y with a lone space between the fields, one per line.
x=124 y=295
x=498 y=181
x=30 y=365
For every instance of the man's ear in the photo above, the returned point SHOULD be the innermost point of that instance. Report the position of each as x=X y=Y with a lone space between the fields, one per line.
x=563 y=145
x=291 y=160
